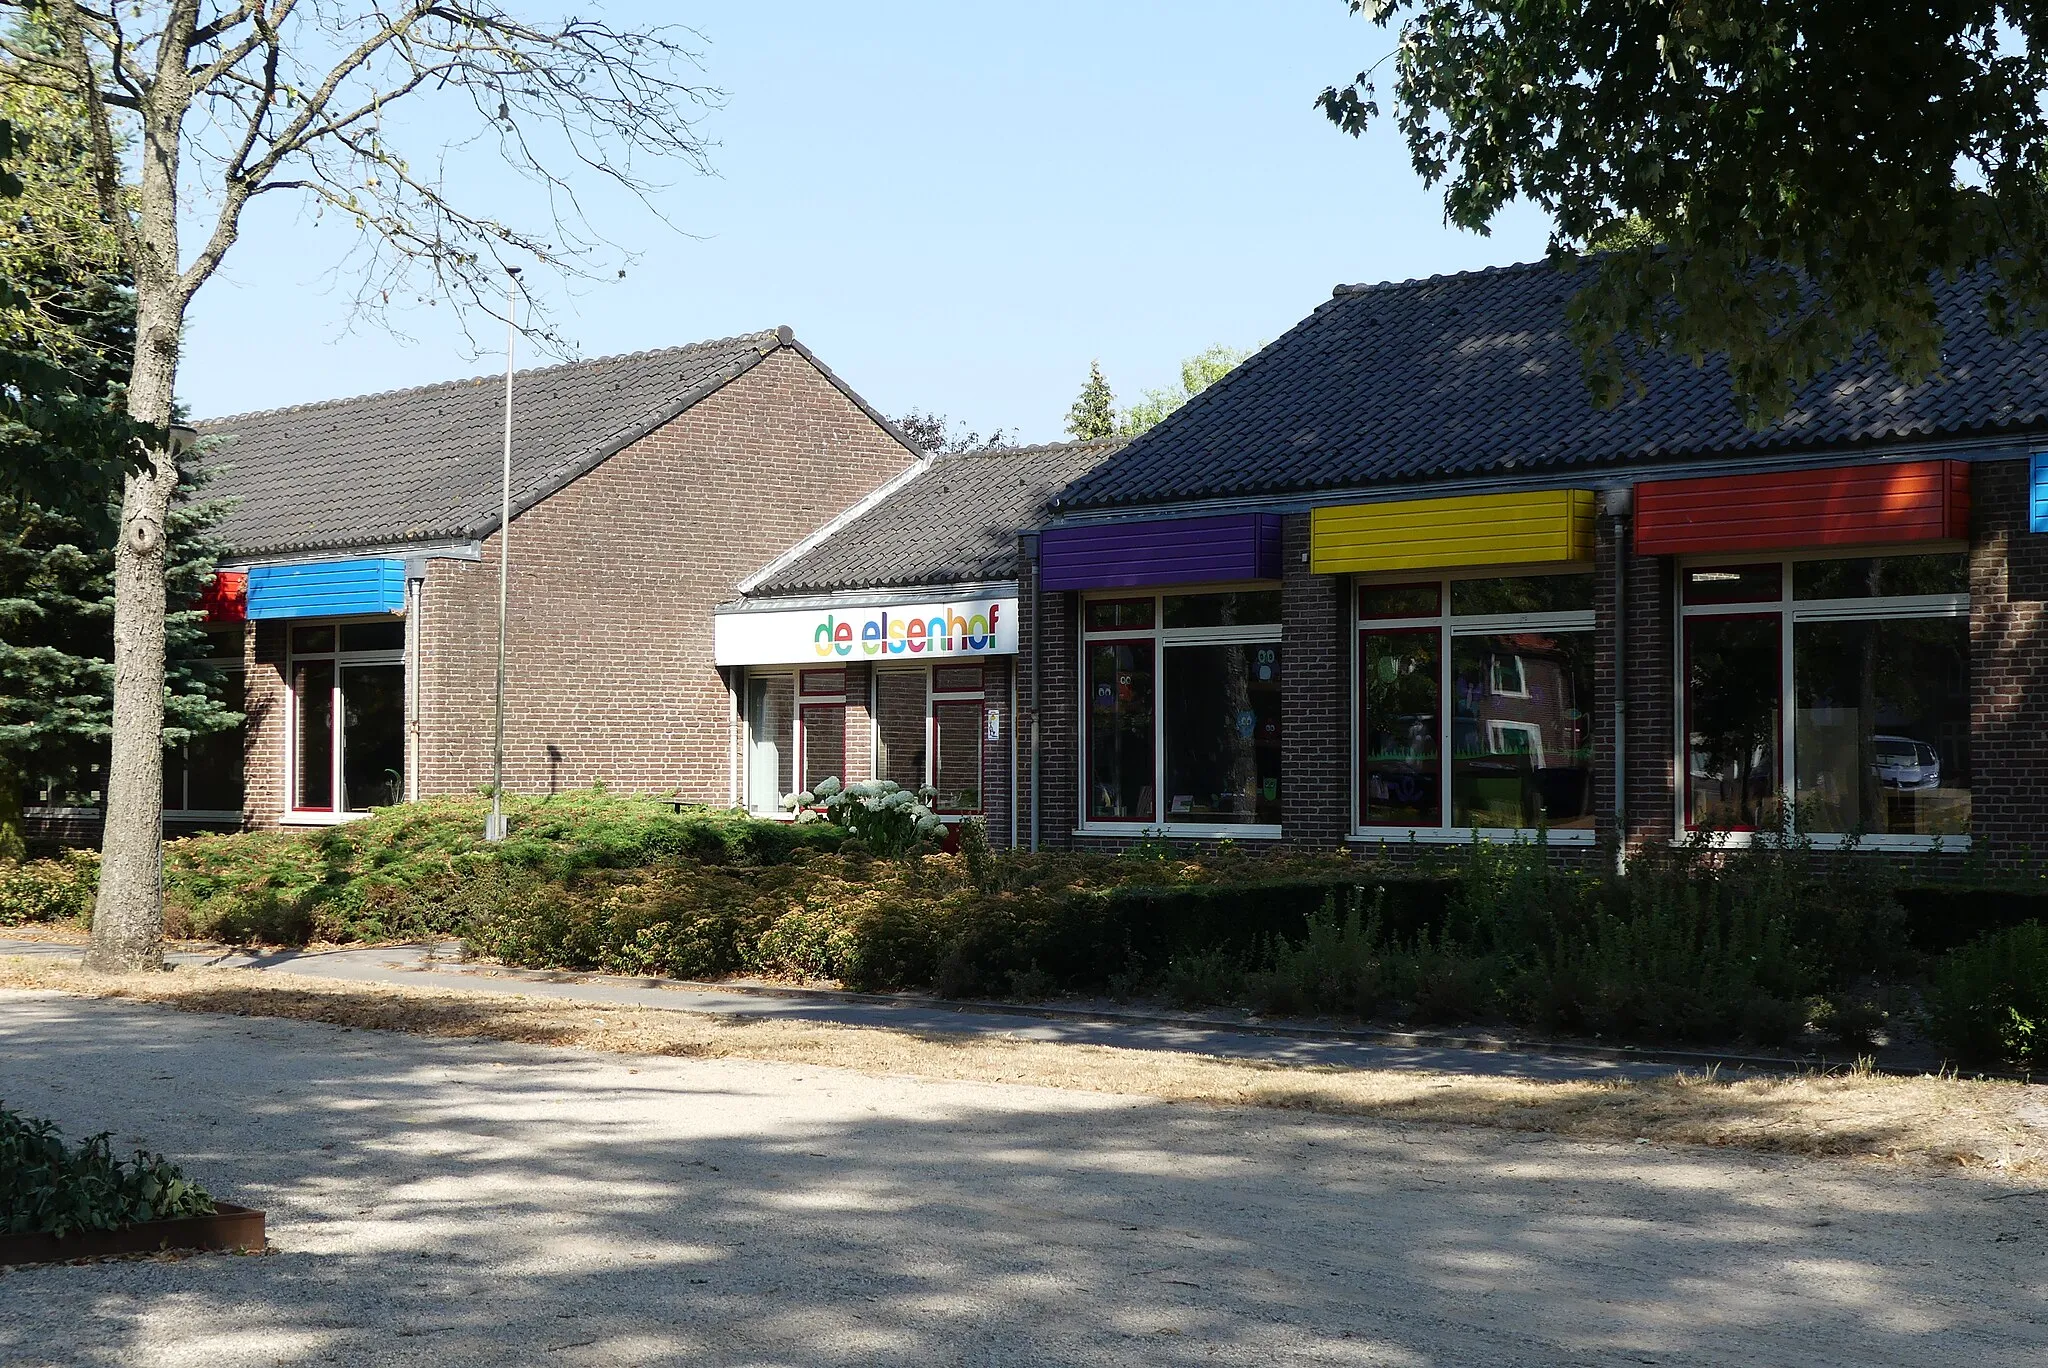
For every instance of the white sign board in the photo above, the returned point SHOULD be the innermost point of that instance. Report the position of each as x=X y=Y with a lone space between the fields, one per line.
x=902 y=633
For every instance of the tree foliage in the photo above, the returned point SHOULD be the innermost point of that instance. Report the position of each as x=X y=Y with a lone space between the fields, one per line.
x=935 y=432
x=1093 y=415
x=1781 y=182
x=1197 y=373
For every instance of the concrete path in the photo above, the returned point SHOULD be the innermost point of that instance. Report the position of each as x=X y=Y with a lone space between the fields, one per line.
x=470 y=1202
x=440 y=966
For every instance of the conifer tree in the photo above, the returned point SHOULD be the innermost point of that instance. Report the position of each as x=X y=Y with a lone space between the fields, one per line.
x=1094 y=412
x=67 y=338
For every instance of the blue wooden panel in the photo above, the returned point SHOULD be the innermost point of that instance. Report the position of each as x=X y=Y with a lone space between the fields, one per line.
x=2037 y=496
x=326 y=589
x=1243 y=546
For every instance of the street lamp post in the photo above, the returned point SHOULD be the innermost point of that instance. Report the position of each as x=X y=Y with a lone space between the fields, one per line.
x=494 y=827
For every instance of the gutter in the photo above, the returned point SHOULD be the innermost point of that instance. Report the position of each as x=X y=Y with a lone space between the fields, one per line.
x=1027 y=546
x=1617 y=503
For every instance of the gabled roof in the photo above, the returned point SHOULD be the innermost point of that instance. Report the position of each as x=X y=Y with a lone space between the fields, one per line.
x=1473 y=376
x=423 y=465
x=956 y=522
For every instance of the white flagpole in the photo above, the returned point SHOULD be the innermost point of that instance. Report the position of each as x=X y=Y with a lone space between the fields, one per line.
x=494 y=830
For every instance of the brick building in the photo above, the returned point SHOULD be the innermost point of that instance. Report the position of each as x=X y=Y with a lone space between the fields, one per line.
x=1397 y=579
x=887 y=647
x=366 y=535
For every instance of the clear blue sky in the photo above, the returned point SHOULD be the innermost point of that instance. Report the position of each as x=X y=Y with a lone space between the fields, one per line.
x=957 y=206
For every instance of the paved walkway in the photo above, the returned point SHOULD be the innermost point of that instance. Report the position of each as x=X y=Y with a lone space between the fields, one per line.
x=440 y=966
x=447 y=1203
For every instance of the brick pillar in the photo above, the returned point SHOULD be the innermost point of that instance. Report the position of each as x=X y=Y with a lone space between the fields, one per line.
x=2008 y=666
x=860 y=723
x=1650 y=643
x=1315 y=695
x=1049 y=619
x=264 y=700
x=996 y=787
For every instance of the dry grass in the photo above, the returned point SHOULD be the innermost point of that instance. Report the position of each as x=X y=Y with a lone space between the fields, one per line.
x=1995 y=1129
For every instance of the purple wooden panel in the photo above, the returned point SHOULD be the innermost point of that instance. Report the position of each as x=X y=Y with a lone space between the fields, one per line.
x=1131 y=555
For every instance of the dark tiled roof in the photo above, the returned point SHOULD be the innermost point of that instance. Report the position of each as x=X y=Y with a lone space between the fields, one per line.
x=423 y=464
x=1473 y=376
x=954 y=523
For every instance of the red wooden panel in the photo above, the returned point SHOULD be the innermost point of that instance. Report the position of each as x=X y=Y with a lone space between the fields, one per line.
x=1911 y=501
x=226 y=600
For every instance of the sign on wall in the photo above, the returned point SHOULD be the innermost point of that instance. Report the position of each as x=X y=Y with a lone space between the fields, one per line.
x=901 y=632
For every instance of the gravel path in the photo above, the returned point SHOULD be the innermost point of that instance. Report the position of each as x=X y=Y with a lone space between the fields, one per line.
x=448 y=1202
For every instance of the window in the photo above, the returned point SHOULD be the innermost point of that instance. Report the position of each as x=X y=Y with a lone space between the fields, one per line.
x=1182 y=720
x=1866 y=658
x=347 y=715
x=205 y=775
x=1475 y=701
x=796 y=735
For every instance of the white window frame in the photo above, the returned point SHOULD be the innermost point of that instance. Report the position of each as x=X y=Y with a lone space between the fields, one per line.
x=1163 y=638
x=932 y=698
x=1791 y=611
x=227 y=665
x=1448 y=627
x=294 y=815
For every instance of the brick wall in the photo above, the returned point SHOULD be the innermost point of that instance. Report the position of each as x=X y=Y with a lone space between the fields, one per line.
x=2008 y=667
x=995 y=753
x=264 y=701
x=1315 y=695
x=1651 y=740
x=614 y=579
x=1051 y=618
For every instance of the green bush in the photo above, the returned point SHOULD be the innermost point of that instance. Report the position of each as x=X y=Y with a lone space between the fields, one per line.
x=50 y=1188
x=1339 y=965
x=1989 y=1001
x=49 y=890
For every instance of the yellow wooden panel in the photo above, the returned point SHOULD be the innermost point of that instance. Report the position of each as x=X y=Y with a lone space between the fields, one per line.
x=1446 y=534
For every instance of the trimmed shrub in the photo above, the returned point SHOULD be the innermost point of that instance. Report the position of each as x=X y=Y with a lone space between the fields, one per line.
x=1989 y=1002
x=48 y=1187
x=49 y=890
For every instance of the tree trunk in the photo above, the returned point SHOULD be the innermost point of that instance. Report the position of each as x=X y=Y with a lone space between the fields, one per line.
x=128 y=916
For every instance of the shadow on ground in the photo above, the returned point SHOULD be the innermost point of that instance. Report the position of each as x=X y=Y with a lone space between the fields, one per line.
x=452 y=1202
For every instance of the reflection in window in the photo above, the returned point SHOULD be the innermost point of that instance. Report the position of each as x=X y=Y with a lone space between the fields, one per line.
x=1522 y=594
x=313 y=689
x=1881 y=576
x=1734 y=584
x=1260 y=606
x=1120 y=731
x=205 y=774
x=373 y=735
x=900 y=727
x=1732 y=715
x=1880 y=741
x=1399 y=755
x=1223 y=733
x=1400 y=600
x=956 y=772
x=771 y=719
x=824 y=743
x=1522 y=756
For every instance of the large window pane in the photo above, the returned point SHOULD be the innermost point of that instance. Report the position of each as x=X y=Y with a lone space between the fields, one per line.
x=1401 y=777
x=957 y=773
x=1113 y=614
x=1521 y=730
x=1522 y=594
x=373 y=735
x=899 y=727
x=373 y=636
x=1120 y=731
x=771 y=725
x=824 y=743
x=1223 y=734
x=1881 y=738
x=1732 y=696
x=1400 y=600
x=313 y=692
x=213 y=764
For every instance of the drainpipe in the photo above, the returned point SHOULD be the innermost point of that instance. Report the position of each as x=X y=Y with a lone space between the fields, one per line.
x=1028 y=545
x=1616 y=503
x=415 y=585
